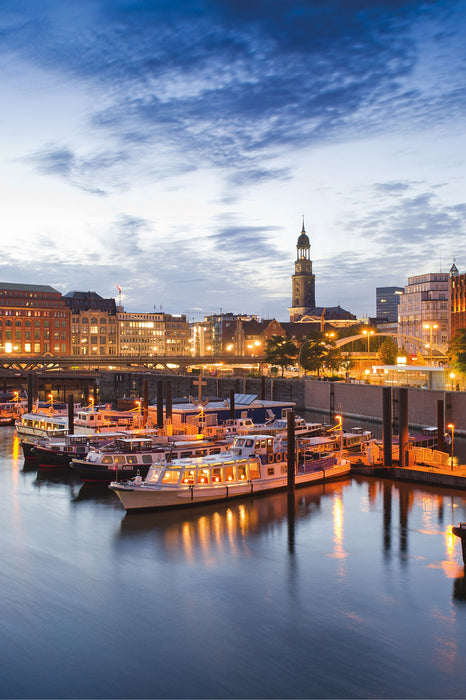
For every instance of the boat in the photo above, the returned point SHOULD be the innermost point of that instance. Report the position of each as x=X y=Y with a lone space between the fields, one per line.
x=59 y=451
x=87 y=421
x=279 y=426
x=39 y=424
x=254 y=464
x=129 y=456
x=354 y=439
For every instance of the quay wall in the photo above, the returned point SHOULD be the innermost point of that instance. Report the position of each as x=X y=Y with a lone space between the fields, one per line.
x=351 y=400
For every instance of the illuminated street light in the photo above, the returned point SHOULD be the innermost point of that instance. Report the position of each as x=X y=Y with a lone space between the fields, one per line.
x=452 y=428
x=430 y=326
x=368 y=333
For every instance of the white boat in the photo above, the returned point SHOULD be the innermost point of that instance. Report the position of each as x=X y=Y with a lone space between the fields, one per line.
x=254 y=464
x=354 y=439
x=38 y=424
x=51 y=423
x=128 y=456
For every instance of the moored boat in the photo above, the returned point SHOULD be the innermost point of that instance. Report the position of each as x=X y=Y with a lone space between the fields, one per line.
x=126 y=457
x=254 y=464
x=58 y=452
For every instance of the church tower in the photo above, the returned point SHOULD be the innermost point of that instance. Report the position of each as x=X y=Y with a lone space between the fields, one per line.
x=303 y=281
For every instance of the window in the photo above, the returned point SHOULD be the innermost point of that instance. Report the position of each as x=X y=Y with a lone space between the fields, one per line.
x=217 y=477
x=172 y=476
x=254 y=470
x=203 y=476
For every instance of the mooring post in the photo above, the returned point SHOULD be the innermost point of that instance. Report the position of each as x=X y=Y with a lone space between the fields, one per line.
x=232 y=404
x=30 y=391
x=290 y=426
x=168 y=400
x=387 y=426
x=440 y=426
x=403 y=426
x=145 y=402
x=159 y=404
x=70 y=414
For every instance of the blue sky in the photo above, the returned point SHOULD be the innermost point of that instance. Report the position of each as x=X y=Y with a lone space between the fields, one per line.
x=172 y=148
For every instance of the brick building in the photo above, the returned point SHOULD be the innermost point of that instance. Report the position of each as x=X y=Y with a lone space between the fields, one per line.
x=34 y=320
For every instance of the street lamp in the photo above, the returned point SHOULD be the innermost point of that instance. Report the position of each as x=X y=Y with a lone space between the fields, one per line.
x=368 y=333
x=430 y=326
x=452 y=428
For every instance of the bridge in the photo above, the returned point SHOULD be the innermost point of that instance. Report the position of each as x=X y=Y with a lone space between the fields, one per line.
x=81 y=363
x=403 y=336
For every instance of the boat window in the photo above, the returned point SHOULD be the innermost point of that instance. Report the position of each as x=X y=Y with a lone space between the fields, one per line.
x=249 y=443
x=189 y=476
x=263 y=444
x=284 y=468
x=254 y=470
x=270 y=471
x=147 y=459
x=171 y=476
x=185 y=454
x=154 y=475
x=120 y=459
x=229 y=473
x=215 y=451
x=132 y=459
x=242 y=476
x=217 y=475
x=200 y=453
x=107 y=460
x=203 y=476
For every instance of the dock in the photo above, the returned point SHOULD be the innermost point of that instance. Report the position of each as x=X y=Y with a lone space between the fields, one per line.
x=418 y=473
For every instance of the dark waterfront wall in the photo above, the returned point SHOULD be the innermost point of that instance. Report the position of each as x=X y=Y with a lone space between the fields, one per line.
x=351 y=400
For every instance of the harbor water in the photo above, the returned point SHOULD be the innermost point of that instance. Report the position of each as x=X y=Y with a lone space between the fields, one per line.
x=350 y=589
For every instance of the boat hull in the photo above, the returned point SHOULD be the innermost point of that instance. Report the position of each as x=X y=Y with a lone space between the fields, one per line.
x=142 y=497
x=89 y=472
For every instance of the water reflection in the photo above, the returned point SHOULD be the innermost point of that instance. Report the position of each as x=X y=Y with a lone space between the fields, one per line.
x=208 y=530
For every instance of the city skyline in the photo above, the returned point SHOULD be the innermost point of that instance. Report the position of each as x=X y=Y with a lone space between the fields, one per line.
x=172 y=149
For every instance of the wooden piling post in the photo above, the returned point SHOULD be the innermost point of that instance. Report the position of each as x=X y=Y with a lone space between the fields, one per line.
x=159 y=404
x=290 y=426
x=70 y=414
x=232 y=404
x=387 y=426
x=403 y=426
x=440 y=426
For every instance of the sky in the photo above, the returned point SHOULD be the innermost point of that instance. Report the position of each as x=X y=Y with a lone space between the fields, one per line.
x=173 y=147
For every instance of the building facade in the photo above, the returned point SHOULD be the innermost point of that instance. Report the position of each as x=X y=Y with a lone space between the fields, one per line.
x=34 y=320
x=94 y=329
x=423 y=314
x=152 y=334
x=387 y=300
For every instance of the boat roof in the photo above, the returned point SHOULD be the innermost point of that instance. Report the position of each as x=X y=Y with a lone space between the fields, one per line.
x=222 y=459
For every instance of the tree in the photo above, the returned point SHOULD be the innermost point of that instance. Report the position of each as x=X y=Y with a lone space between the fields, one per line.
x=312 y=355
x=333 y=358
x=317 y=353
x=457 y=351
x=280 y=351
x=388 y=352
